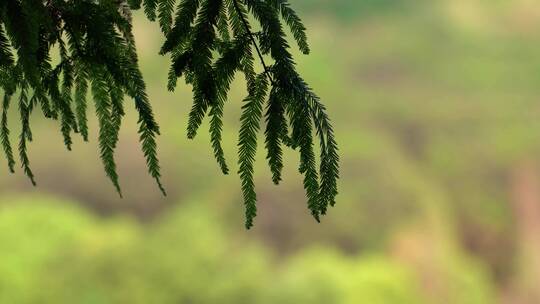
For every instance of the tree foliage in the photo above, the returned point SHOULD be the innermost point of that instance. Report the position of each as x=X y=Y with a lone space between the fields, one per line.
x=208 y=41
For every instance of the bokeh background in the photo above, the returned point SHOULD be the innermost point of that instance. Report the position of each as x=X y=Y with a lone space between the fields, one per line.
x=435 y=106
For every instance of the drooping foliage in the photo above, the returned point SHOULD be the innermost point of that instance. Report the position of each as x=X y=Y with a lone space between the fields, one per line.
x=96 y=51
x=208 y=41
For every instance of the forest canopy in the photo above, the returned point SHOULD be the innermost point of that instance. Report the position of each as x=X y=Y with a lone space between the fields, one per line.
x=208 y=42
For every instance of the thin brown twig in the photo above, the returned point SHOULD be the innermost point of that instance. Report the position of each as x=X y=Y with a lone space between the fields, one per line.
x=252 y=37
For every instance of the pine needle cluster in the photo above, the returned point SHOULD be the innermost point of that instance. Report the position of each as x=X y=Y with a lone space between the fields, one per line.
x=209 y=43
x=97 y=54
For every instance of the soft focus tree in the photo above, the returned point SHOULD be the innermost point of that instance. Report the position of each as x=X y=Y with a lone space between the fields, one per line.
x=58 y=253
x=208 y=42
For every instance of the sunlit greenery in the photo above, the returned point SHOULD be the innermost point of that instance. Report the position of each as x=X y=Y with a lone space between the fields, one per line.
x=54 y=252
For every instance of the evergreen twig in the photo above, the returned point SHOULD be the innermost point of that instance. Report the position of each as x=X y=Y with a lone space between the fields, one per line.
x=209 y=41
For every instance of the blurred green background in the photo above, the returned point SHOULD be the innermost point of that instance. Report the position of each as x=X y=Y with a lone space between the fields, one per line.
x=435 y=106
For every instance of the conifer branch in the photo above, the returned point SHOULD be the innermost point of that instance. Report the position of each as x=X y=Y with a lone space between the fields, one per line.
x=4 y=133
x=26 y=133
x=209 y=41
x=251 y=115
